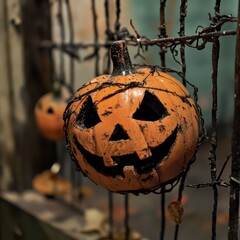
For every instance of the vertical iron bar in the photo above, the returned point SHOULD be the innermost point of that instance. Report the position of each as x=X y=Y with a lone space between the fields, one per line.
x=71 y=41
x=106 y=4
x=110 y=206
x=109 y=37
x=162 y=53
x=163 y=32
x=118 y=11
x=76 y=177
x=163 y=219
x=183 y=13
x=180 y=192
x=212 y=154
x=96 y=50
x=127 y=230
x=217 y=7
x=62 y=33
x=176 y=232
x=235 y=169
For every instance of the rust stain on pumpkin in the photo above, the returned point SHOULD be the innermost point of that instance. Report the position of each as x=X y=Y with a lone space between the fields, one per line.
x=106 y=113
x=117 y=105
x=143 y=127
x=162 y=128
x=105 y=135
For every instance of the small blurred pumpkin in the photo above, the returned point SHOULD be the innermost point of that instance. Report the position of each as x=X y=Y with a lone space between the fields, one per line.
x=134 y=130
x=51 y=184
x=48 y=112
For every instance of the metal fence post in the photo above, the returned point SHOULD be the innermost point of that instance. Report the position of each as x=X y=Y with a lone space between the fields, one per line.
x=235 y=170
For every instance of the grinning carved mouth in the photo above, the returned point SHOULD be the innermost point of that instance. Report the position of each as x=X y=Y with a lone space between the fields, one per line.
x=140 y=166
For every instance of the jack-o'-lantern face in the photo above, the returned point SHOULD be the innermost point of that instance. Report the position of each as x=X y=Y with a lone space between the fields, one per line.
x=134 y=132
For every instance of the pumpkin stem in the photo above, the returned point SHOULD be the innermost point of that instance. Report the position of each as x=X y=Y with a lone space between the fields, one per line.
x=122 y=64
x=56 y=89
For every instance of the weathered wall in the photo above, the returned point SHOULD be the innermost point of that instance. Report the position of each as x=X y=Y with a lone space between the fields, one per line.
x=25 y=76
x=11 y=81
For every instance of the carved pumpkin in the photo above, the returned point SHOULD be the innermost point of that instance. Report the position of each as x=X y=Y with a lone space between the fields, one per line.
x=134 y=130
x=48 y=111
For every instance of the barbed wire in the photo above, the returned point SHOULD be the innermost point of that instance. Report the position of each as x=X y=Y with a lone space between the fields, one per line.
x=207 y=34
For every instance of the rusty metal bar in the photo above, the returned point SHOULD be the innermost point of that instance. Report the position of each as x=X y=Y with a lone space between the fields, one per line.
x=96 y=36
x=162 y=53
x=62 y=76
x=163 y=215
x=235 y=169
x=71 y=41
x=212 y=154
x=143 y=41
x=118 y=11
x=183 y=14
x=163 y=32
x=109 y=37
x=110 y=216
x=126 y=204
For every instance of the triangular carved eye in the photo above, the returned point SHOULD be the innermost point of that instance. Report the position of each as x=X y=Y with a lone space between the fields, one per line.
x=88 y=116
x=119 y=134
x=150 y=109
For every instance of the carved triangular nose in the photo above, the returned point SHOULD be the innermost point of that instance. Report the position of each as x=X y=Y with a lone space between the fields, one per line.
x=119 y=134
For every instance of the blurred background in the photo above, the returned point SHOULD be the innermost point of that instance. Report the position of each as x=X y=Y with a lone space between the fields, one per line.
x=29 y=65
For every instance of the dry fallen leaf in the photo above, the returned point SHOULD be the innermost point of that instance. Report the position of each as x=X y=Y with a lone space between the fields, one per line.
x=175 y=209
x=95 y=221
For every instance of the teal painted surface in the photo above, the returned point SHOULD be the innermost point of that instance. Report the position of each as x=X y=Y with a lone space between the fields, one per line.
x=145 y=15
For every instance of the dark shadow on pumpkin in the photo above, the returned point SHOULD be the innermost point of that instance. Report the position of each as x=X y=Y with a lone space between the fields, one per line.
x=141 y=166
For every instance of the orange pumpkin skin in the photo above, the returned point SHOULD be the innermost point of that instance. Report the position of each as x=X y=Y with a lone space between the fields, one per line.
x=48 y=116
x=132 y=133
